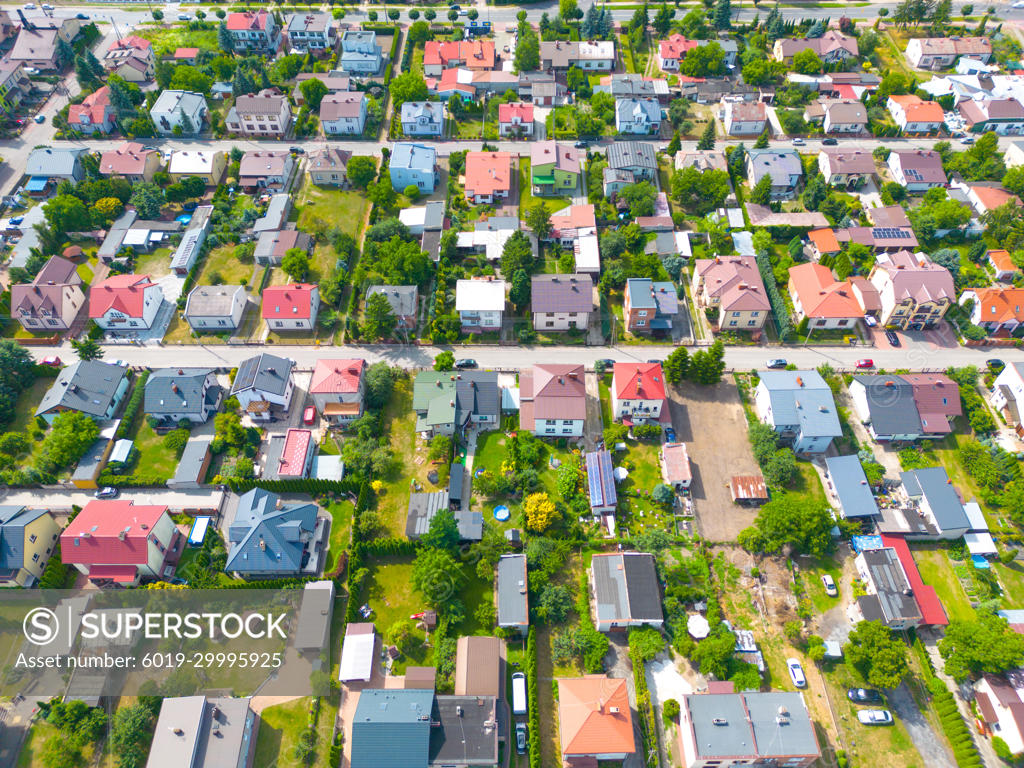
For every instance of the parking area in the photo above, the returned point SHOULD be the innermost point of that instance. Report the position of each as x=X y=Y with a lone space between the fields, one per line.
x=711 y=421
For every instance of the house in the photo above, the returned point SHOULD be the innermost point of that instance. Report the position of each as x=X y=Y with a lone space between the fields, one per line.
x=649 y=306
x=1005 y=268
x=760 y=727
x=91 y=387
x=191 y=244
x=553 y=400
x=511 y=597
x=38 y=43
x=181 y=394
x=14 y=85
x=132 y=59
x=844 y=476
x=625 y=591
x=914 y=115
x=291 y=307
x=591 y=55
x=202 y=732
x=337 y=388
x=178 y=113
x=915 y=291
x=343 y=113
x=638 y=393
x=1008 y=395
x=942 y=52
x=27 y=540
x=844 y=116
x=266 y=170
x=423 y=218
x=480 y=666
x=131 y=161
x=733 y=285
x=488 y=177
x=561 y=303
x=782 y=165
x=470 y=54
x=403 y=300
x=819 y=297
x=745 y=118
x=392 y=728
x=125 y=302
x=335 y=80
x=515 y=119
x=601 y=487
x=672 y=50
x=670 y=244
x=595 y=722
x=360 y=54
x=891 y=598
x=185 y=56
x=1004 y=116
x=115 y=541
x=933 y=508
x=273 y=245
x=424 y=506
x=917 y=169
x=53 y=299
x=675 y=466
x=413 y=164
x=254 y=31
x=328 y=167
x=275 y=219
x=1014 y=154
x=263 y=385
x=629 y=85
x=448 y=403
x=311 y=31
x=266 y=113
x=997 y=309
x=216 y=308
x=94 y=114
x=629 y=162
x=906 y=407
x=422 y=118
x=480 y=303
x=823 y=242
x=831 y=47
x=194 y=464
x=209 y=166
x=270 y=539
x=799 y=406
x=850 y=168
x=638 y=116
x=289 y=456
x=983 y=198
x=1000 y=703
x=46 y=165
x=554 y=168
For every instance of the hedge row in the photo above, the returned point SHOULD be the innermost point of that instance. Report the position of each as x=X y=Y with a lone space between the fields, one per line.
x=648 y=728
x=775 y=298
x=965 y=752
x=140 y=479
x=310 y=485
x=532 y=698
x=133 y=411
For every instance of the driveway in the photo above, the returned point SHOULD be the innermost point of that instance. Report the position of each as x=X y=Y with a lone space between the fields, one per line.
x=888 y=459
x=929 y=743
x=593 y=427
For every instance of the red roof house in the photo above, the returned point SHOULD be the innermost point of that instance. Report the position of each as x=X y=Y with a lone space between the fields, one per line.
x=937 y=398
x=291 y=307
x=672 y=50
x=488 y=177
x=1003 y=264
x=594 y=719
x=337 y=388
x=296 y=455
x=817 y=295
x=125 y=302
x=117 y=541
x=471 y=54
x=515 y=118
x=185 y=55
x=638 y=393
x=132 y=161
x=95 y=113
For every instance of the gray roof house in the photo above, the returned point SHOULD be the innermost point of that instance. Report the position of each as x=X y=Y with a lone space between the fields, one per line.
x=27 y=539
x=268 y=538
x=403 y=300
x=625 y=591
x=846 y=477
x=511 y=598
x=890 y=598
x=215 y=308
x=423 y=507
x=191 y=244
x=937 y=499
x=391 y=728
x=784 y=167
x=360 y=54
x=201 y=732
x=464 y=731
x=176 y=394
x=422 y=118
x=54 y=164
x=800 y=407
x=193 y=464
x=445 y=402
x=91 y=387
x=638 y=116
x=889 y=406
x=263 y=383
x=313 y=629
x=762 y=727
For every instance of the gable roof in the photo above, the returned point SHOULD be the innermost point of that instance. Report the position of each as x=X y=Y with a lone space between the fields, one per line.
x=123 y=293
x=266 y=535
x=110 y=532
x=676 y=463
x=446 y=396
x=401 y=298
x=552 y=392
x=735 y=281
x=432 y=110
x=594 y=716
x=891 y=404
x=49 y=290
x=564 y=157
x=480 y=295
x=842 y=160
x=178 y=390
x=95 y=106
x=335 y=376
x=937 y=398
x=933 y=484
x=265 y=372
x=638 y=381
x=920 y=165
x=851 y=486
x=88 y=386
x=1001 y=261
x=391 y=728
x=264 y=163
x=804 y=398
x=474 y=54
x=49 y=162
x=289 y=301
x=630 y=154
x=479 y=667
x=626 y=587
x=562 y=293
x=914 y=275
x=13 y=520
x=247 y=20
x=634 y=110
x=820 y=294
x=601 y=479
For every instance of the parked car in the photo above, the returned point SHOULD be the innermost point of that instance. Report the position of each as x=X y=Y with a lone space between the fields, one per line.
x=30 y=6
x=52 y=361
x=31 y=71
x=863 y=695
x=82 y=16
x=967 y=140
x=777 y=362
x=297 y=150
x=892 y=338
x=995 y=364
x=46 y=7
x=581 y=144
x=796 y=672
x=869 y=321
x=654 y=361
x=184 y=17
x=829 y=142
x=798 y=142
x=670 y=435
x=40 y=118
x=875 y=717
x=1018 y=4
x=866 y=363
x=830 y=585
x=107 y=492
x=465 y=362
x=605 y=363
x=521 y=738
x=309 y=416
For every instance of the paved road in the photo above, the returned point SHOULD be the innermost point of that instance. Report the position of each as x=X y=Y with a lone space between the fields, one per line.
x=929 y=743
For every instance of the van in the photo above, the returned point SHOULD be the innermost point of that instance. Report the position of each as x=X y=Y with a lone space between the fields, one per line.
x=518 y=694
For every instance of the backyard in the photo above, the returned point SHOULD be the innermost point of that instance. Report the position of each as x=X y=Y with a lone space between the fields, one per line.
x=322 y=209
x=166 y=40
x=222 y=267
x=155 y=458
x=526 y=198
x=156 y=263
x=937 y=572
x=280 y=729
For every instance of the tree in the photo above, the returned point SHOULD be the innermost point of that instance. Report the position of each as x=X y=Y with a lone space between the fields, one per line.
x=807 y=62
x=700 y=191
x=381 y=193
x=129 y=735
x=434 y=575
x=674 y=145
x=527 y=58
x=147 y=199
x=641 y=197
x=295 y=264
x=313 y=92
x=379 y=322
x=443 y=532
x=517 y=254
x=87 y=349
x=875 y=652
x=780 y=468
x=663 y=494
x=789 y=523
x=677 y=365
x=380 y=380
x=1013 y=179
x=708 y=365
x=224 y=39
x=519 y=294
x=538 y=218
x=554 y=603
x=67 y=213
x=985 y=644
x=445 y=361
x=662 y=20
x=402 y=635
x=723 y=15
x=703 y=61
x=420 y=31
x=540 y=512
x=67 y=441
x=361 y=171
x=408 y=86
x=761 y=194
x=762 y=140
x=707 y=139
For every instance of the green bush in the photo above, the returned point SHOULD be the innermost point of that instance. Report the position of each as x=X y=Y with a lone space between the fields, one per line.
x=133 y=409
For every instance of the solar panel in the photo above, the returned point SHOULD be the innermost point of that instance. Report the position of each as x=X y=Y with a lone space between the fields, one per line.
x=913 y=174
x=890 y=233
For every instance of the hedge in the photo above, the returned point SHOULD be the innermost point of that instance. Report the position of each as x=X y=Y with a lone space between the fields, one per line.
x=532 y=698
x=774 y=297
x=133 y=410
x=648 y=728
x=310 y=485
x=965 y=752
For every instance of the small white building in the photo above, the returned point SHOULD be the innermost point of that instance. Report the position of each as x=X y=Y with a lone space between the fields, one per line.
x=179 y=109
x=215 y=308
x=480 y=303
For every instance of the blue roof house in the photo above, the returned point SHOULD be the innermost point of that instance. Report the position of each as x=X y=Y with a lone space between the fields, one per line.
x=414 y=164
x=799 y=406
x=850 y=485
x=270 y=539
x=391 y=728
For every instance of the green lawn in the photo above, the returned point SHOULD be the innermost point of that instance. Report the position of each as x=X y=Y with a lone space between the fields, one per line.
x=28 y=401
x=937 y=572
x=31 y=752
x=526 y=198
x=221 y=263
x=390 y=596
x=322 y=208
x=341 y=523
x=604 y=385
x=154 y=457
x=468 y=128
x=641 y=459
x=1011 y=578
x=155 y=264
x=279 y=732
x=166 y=41
x=815 y=589
x=400 y=423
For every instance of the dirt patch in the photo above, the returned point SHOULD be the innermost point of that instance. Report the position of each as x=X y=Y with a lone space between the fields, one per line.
x=711 y=421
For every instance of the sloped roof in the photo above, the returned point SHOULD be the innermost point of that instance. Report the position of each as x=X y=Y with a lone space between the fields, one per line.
x=804 y=398
x=562 y=293
x=488 y=172
x=934 y=484
x=337 y=376
x=851 y=486
x=553 y=392
x=288 y=301
x=594 y=716
x=735 y=281
x=820 y=294
x=124 y=293
x=914 y=275
x=266 y=536
x=601 y=479
x=638 y=381
x=999 y=304
x=177 y=390
x=626 y=587
x=265 y=372
x=110 y=532
x=87 y=386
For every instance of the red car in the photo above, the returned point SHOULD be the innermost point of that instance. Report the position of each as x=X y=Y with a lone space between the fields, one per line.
x=309 y=416
x=865 y=363
x=52 y=361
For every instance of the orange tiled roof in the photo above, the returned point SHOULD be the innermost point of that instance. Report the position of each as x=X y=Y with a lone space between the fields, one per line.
x=594 y=716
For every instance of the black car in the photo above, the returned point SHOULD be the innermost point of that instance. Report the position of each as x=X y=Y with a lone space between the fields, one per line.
x=297 y=150
x=82 y=16
x=995 y=364
x=603 y=364
x=654 y=361
x=863 y=695
x=581 y=144
x=466 y=362
x=892 y=338
x=829 y=142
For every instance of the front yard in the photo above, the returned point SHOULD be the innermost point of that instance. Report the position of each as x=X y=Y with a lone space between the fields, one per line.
x=526 y=198
x=166 y=40
x=322 y=209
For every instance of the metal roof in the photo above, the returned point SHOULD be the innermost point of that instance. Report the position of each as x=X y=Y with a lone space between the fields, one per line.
x=851 y=486
x=391 y=728
x=933 y=484
x=511 y=586
x=313 y=630
x=802 y=398
x=87 y=386
x=626 y=587
x=178 y=390
x=357 y=652
x=265 y=373
x=191 y=462
x=601 y=479
x=891 y=587
x=751 y=724
x=422 y=508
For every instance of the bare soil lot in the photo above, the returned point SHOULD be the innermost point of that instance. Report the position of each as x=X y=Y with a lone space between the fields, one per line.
x=711 y=421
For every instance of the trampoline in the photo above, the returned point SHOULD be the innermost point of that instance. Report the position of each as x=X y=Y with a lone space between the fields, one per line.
x=501 y=512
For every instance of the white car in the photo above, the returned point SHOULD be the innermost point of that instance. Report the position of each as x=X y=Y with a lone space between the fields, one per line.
x=796 y=673
x=875 y=716
x=798 y=142
x=830 y=585
x=30 y=6
x=1018 y=4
